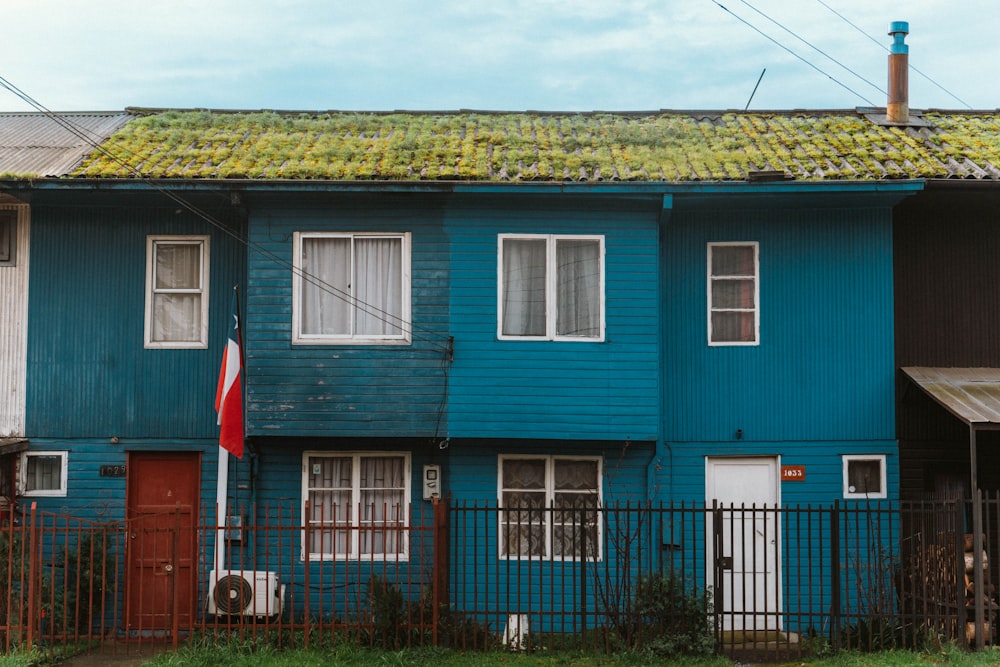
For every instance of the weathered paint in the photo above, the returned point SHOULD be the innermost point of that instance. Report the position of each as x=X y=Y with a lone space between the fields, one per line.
x=14 y=328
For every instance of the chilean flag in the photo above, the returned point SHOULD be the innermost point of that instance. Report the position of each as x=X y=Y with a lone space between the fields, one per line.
x=229 y=396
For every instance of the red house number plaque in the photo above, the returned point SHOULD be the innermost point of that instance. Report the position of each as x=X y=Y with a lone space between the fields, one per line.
x=793 y=473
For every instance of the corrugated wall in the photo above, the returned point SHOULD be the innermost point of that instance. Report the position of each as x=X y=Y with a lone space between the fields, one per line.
x=14 y=328
x=88 y=372
x=823 y=369
x=556 y=389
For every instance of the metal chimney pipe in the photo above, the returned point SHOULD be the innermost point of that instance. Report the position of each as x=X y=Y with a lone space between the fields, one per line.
x=898 y=108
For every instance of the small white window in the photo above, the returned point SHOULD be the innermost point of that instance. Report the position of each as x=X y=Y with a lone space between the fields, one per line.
x=549 y=507
x=356 y=505
x=177 y=292
x=733 y=294
x=351 y=288
x=551 y=288
x=43 y=473
x=864 y=476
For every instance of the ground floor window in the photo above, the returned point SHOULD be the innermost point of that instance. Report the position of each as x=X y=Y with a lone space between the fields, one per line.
x=549 y=507
x=43 y=473
x=356 y=504
x=864 y=476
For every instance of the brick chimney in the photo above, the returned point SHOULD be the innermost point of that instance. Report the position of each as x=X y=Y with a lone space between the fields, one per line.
x=898 y=108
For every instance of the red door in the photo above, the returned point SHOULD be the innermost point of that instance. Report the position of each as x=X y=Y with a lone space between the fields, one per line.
x=162 y=510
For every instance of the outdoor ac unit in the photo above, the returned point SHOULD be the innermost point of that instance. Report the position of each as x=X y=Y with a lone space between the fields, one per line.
x=244 y=593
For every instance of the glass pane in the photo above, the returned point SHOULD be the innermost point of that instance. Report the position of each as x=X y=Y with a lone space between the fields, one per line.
x=176 y=318
x=864 y=476
x=733 y=327
x=578 y=285
x=523 y=473
x=326 y=286
x=330 y=507
x=732 y=260
x=732 y=294
x=44 y=473
x=378 y=286
x=576 y=475
x=524 y=287
x=567 y=541
x=523 y=540
x=329 y=472
x=178 y=266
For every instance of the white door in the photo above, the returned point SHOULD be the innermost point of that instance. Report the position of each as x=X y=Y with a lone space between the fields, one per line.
x=747 y=491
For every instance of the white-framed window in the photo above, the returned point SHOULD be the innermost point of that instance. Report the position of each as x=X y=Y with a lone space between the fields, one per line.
x=356 y=505
x=864 y=476
x=43 y=473
x=351 y=288
x=733 y=294
x=8 y=237
x=549 y=507
x=177 y=291
x=550 y=287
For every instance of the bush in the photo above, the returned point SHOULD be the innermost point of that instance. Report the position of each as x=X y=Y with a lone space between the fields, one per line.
x=671 y=619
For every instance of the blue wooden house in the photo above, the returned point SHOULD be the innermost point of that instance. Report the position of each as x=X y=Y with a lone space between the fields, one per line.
x=560 y=312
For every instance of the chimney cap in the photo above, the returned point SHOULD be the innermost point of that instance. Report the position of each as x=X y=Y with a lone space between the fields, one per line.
x=899 y=30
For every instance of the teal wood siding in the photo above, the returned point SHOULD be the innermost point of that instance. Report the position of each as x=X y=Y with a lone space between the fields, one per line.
x=824 y=367
x=548 y=389
x=346 y=390
x=88 y=372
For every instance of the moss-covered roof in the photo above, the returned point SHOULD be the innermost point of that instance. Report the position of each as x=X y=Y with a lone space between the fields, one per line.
x=493 y=146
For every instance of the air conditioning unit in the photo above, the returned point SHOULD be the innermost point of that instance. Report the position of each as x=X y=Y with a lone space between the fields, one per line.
x=244 y=593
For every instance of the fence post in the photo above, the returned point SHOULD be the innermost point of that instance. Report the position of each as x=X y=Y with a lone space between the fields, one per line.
x=174 y=579
x=960 y=610
x=33 y=574
x=835 y=575
x=307 y=545
x=717 y=576
x=439 y=580
x=583 y=570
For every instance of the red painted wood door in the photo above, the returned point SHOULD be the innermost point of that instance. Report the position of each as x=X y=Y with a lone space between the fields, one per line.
x=162 y=502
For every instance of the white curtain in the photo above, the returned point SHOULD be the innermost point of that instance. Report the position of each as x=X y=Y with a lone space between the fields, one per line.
x=326 y=286
x=578 y=287
x=330 y=481
x=523 y=502
x=734 y=310
x=379 y=286
x=176 y=316
x=383 y=507
x=524 y=287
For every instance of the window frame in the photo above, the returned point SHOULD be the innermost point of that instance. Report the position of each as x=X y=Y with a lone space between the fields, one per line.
x=354 y=549
x=550 y=510
x=847 y=459
x=8 y=231
x=551 y=286
x=22 y=474
x=710 y=278
x=405 y=325
x=152 y=241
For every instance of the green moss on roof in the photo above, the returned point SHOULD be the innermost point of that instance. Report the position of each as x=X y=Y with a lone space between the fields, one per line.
x=471 y=146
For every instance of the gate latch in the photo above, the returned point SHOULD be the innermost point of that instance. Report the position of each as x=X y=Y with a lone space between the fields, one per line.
x=726 y=562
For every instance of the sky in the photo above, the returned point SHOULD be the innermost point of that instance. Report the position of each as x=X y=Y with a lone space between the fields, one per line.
x=504 y=55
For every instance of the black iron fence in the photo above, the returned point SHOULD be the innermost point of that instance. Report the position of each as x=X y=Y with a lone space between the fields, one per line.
x=760 y=581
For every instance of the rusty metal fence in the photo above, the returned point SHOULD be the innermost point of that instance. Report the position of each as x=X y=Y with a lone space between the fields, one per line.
x=748 y=581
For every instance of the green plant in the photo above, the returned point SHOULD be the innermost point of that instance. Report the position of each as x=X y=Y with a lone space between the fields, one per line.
x=670 y=618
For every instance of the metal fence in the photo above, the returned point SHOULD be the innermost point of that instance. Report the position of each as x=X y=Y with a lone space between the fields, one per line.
x=745 y=580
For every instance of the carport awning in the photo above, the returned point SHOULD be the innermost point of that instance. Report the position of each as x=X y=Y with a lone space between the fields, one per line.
x=971 y=394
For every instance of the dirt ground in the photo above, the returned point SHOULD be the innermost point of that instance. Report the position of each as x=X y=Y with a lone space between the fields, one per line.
x=117 y=655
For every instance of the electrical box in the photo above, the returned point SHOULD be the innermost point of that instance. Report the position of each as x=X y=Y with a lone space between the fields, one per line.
x=432 y=481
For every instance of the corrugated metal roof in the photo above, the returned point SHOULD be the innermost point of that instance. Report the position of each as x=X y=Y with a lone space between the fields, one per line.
x=41 y=144
x=670 y=146
x=971 y=394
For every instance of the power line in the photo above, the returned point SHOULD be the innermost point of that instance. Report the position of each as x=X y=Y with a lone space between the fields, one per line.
x=816 y=48
x=785 y=48
x=882 y=44
x=94 y=141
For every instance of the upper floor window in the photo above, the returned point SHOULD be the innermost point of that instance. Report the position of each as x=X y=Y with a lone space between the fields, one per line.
x=549 y=507
x=733 y=292
x=551 y=287
x=351 y=288
x=177 y=291
x=356 y=505
x=8 y=237
x=43 y=473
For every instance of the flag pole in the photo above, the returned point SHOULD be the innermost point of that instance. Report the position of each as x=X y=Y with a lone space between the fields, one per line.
x=220 y=508
x=232 y=433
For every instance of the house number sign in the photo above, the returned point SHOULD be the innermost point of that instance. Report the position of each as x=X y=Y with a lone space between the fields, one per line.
x=112 y=471
x=793 y=473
